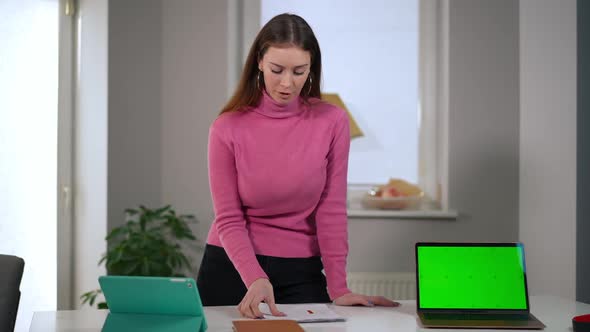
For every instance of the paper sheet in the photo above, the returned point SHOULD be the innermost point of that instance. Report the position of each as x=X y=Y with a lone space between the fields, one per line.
x=304 y=313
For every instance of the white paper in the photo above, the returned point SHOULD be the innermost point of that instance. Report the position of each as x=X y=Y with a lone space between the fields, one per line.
x=303 y=313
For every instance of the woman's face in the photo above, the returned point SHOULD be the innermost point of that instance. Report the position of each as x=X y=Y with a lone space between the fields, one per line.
x=285 y=71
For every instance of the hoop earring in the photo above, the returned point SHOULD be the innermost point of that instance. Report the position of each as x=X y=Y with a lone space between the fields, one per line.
x=310 y=81
x=258 y=80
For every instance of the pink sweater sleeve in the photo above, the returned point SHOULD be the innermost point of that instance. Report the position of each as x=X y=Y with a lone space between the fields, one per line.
x=229 y=218
x=331 y=219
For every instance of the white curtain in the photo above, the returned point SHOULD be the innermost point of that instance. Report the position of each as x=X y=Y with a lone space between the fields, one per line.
x=28 y=147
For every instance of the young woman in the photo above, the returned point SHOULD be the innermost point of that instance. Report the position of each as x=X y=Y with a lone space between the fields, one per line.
x=278 y=159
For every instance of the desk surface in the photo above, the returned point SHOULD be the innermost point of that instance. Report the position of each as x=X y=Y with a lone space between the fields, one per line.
x=555 y=312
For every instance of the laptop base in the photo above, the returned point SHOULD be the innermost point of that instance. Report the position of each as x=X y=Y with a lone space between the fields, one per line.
x=530 y=322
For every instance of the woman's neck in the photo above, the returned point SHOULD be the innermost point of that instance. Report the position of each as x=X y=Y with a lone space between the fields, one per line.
x=271 y=108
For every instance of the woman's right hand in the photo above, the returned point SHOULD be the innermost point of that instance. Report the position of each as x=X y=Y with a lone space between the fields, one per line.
x=259 y=291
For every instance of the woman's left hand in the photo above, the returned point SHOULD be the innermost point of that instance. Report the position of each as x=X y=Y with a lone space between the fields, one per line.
x=368 y=301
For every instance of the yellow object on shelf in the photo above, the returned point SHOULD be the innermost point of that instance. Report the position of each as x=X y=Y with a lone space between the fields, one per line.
x=397 y=194
x=404 y=187
x=334 y=98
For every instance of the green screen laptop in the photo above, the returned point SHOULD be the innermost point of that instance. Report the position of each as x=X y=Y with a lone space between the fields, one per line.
x=152 y=304
x=473 y=285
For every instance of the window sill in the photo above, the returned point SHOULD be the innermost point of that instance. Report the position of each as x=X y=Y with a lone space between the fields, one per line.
x=403 y=214
x=426 y=209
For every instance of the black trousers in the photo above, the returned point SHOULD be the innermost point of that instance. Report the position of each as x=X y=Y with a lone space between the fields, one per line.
x=294 y=280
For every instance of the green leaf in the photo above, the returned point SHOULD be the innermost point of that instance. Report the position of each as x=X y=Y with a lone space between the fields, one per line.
x=131 y=212
x=90 y=297
x=161 y=210
x=185 y=261
x=104 y=258
x=130 y=269
x=145 y=267
x=142 y=222
x=115 y=232
x=188 y=217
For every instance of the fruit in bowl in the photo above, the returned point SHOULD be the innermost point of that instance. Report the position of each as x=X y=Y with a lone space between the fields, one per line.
x=396 y=194
x=390 y=192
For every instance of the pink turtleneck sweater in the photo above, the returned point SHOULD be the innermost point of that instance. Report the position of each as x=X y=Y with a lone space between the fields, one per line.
x=278 y=182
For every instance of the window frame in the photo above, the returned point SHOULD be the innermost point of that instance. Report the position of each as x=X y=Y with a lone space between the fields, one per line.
x=67 y=65
x=433 y=88
x=433 y=150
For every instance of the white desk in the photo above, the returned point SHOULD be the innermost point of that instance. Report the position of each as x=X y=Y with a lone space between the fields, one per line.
x=555 y=312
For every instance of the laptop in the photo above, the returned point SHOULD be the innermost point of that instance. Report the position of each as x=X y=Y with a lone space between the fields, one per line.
x=152 y=303
x=473 y=285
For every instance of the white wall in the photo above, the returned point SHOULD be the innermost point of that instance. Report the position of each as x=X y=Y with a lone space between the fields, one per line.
x=488 y=135
x=194 y=87
x=152 y=79
x=134 y=107
x=90 y=150
x=548 y=144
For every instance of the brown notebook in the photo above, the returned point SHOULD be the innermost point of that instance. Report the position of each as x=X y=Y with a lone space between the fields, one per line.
x=264 y=325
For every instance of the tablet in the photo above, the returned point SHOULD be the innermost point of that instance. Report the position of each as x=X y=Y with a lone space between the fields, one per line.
x=153 y=295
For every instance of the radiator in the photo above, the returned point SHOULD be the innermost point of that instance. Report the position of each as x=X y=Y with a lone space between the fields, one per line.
x=393 y=285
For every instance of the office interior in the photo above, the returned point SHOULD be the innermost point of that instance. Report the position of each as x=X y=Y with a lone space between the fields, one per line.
x=154 y=74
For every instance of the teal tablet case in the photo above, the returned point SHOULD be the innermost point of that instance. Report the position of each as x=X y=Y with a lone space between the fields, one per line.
x=153 y=299
x=151 y=323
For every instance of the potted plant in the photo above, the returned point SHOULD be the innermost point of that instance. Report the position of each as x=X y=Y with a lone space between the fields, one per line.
x=148 y=244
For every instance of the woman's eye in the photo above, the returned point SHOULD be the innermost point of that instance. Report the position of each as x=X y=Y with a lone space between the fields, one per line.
x=299 y=74
x=276 y=71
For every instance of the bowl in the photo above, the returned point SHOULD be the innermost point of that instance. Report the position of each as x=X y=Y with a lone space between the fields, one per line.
x=392 y=203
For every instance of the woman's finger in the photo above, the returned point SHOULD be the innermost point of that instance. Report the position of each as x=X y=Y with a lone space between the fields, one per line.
x=245 y=309
x=241 y=308
x=356 y=299
x=254 y=307
x=248 y=313
x=273 y=307
x=382 y=301
x=364 y=300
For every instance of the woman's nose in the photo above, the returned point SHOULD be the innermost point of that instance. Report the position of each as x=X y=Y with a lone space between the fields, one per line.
x=286 y=80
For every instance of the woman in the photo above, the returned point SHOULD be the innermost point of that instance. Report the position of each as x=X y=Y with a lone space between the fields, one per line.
x=278 y=160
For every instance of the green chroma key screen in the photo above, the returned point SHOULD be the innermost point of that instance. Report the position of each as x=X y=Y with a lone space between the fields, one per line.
x=471 y=277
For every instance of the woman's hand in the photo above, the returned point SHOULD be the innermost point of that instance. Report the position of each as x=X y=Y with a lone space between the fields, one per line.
x=368 y=301
x=259 y=291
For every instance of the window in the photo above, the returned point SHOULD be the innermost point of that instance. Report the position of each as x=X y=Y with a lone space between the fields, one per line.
x=28 y=145
x=370 y=58
x=387 y=61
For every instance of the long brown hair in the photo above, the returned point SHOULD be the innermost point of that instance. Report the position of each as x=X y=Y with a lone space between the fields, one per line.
x=281 y=30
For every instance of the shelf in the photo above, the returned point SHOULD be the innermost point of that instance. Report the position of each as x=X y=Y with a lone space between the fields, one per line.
x=403 y=214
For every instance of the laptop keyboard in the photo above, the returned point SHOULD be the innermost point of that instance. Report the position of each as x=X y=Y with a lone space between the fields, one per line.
x=474 y=316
